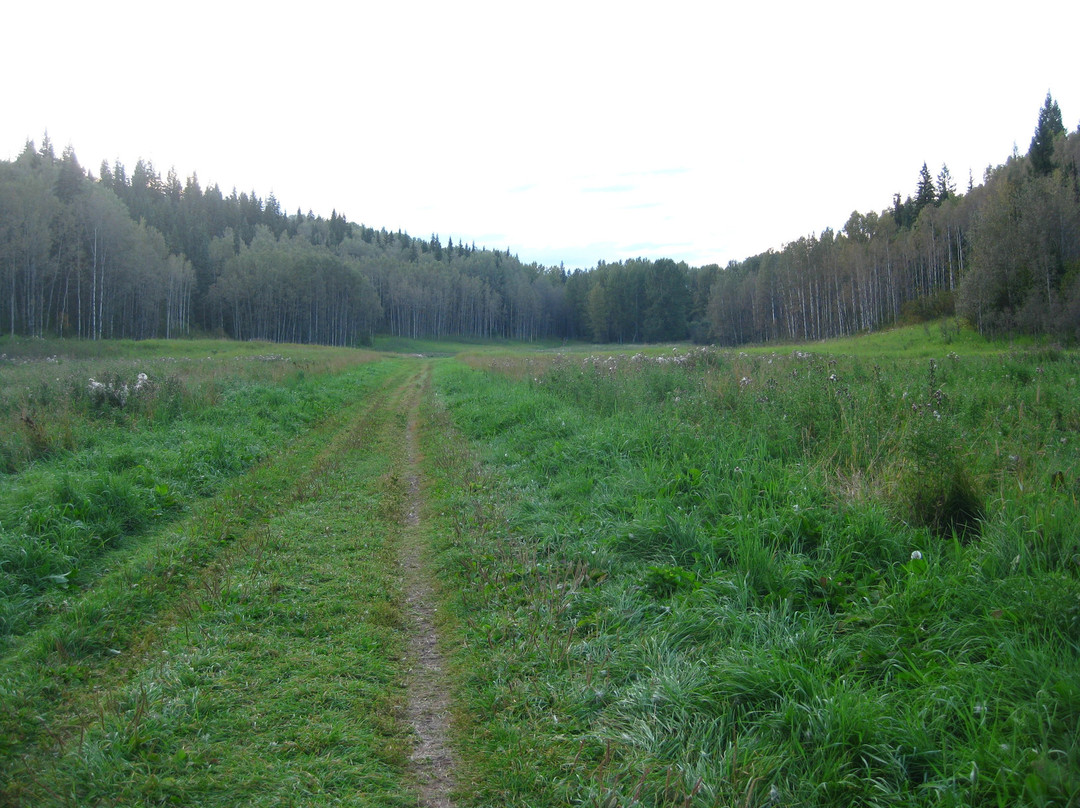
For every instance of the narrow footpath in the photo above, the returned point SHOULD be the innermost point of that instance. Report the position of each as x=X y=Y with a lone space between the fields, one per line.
x=431 y=762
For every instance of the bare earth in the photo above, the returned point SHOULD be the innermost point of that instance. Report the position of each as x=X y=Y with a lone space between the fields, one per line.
x=432 y=762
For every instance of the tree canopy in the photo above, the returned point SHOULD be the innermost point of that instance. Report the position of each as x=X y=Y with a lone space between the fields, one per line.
x=135 y=255
x=1047 y=131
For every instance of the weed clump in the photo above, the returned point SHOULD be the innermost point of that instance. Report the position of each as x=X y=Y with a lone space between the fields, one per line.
x=943 y=500
x=935 y=487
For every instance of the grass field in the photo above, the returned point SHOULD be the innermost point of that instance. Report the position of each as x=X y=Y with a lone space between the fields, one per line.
x=841 y=574
x=772 y=578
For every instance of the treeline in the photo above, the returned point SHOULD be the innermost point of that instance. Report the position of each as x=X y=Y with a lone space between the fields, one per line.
x=136 y=255
x=1005 y=255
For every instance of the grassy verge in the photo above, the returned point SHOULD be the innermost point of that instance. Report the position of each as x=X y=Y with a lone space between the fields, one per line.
x=728 y=579
x=248 y=653
x=93 y=466
x=930 y=339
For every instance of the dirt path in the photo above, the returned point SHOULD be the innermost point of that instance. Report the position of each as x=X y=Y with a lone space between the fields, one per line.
x=270 y=643
x=432 y=762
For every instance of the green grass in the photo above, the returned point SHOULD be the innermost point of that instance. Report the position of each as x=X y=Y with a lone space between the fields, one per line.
x=925 y=340
x=279 y=685
x=452 y=347
x=240 y=647
x=690 y=581
x=668 y=577
x=127 y=467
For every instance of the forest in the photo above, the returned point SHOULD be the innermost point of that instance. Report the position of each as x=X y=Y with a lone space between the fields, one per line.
x=135 y=255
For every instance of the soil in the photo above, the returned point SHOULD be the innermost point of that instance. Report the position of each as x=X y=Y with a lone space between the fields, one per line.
x=432 y=761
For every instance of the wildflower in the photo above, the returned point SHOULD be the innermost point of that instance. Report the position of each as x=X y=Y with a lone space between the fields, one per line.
x=832 y=377
x=916 y=555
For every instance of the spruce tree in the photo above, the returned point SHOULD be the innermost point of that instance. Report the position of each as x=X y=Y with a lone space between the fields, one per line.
x=1049 y=128
x=926 y=193
x=945 y=185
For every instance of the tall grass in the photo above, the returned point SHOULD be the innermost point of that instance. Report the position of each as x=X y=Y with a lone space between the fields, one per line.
x=98 y=451
x=714 y=578
x=247 y=652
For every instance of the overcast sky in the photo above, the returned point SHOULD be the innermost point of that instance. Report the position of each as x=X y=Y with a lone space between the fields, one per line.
x=565 y=131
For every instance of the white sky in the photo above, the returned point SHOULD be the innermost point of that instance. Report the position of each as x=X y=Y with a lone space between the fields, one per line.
x=565 y=131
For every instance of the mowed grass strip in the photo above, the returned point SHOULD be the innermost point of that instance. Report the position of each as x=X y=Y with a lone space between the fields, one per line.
x=276 y=679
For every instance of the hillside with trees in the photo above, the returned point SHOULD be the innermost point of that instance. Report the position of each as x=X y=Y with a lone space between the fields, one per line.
x=135 y=255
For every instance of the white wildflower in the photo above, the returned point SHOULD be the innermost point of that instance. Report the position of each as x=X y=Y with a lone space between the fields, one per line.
x=916 y=555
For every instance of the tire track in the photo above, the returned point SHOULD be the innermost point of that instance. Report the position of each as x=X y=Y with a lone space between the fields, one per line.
x=432 y=761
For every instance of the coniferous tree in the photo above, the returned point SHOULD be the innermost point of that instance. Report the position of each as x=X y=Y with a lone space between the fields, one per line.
x=46 y=153
x=945 y=185
x=69 y=180
x=1048 y=129
x=926 y=193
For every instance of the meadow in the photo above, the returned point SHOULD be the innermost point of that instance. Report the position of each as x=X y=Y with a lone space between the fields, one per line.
x=702 y=577
x=171 y=558
x=97 y=449
x=838 y=574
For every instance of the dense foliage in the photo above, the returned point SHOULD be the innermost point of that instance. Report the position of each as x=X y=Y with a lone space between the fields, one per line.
x=1005 y=255
x=140 y=256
